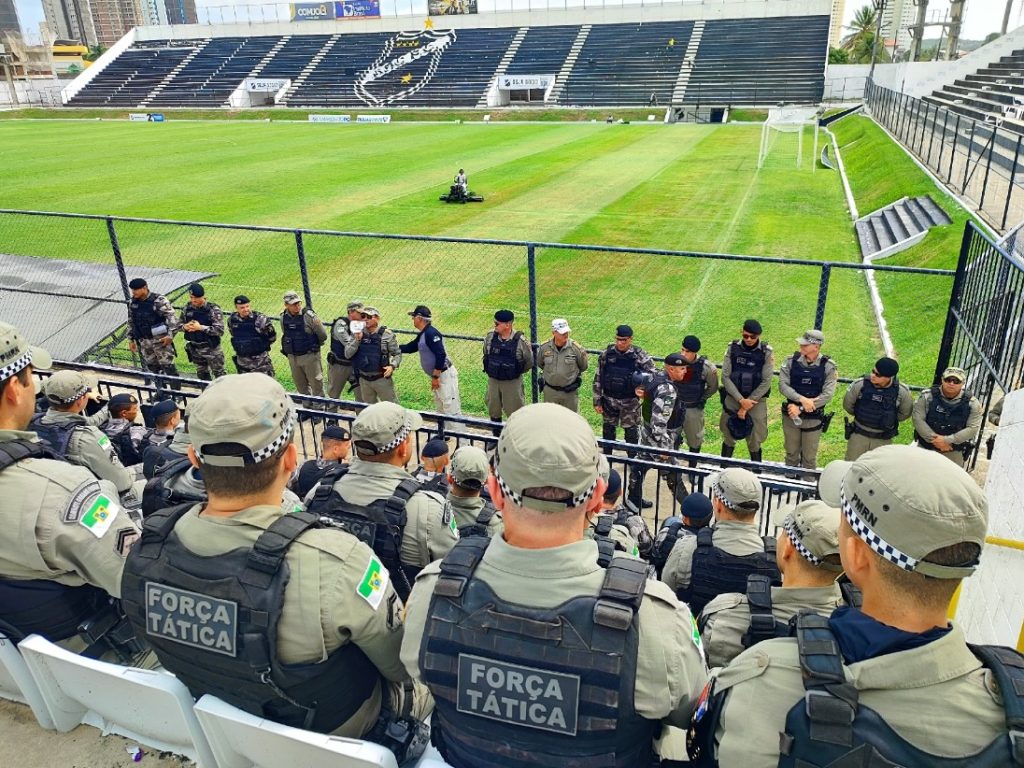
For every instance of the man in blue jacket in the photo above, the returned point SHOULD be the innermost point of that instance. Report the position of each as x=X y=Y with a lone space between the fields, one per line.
x=444 y=378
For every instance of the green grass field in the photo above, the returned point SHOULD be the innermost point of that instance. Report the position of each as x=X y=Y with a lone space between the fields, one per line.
x=683 y=187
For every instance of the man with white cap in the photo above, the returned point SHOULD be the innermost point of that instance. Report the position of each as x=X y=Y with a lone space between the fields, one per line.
x=947 y=417
x=562 y=362
x=73 y=436
x=807 y=553
x=535 y=654
x=894 y=682
x=269 y=611
x=66 y=535
x=718 y=559
x=376 y=497
x=467 y=475
x=302 y=335
x=807 y=380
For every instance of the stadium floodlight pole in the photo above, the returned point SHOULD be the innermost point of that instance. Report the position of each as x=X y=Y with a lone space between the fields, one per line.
x=1006 y=17
x=880 y=10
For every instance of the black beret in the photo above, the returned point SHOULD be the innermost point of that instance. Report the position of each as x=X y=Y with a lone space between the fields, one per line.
x=674 y=359
x=241 y=299
x=886 y=366
x=504 y=316
x=625 y=331
x=122 y=399
x=335 y=432
x=614 y=484
x=697 y=506
x=691 y=344
x=752 y=326
x=434 y=448
x=163 y=408
x=196 y=290
x=137 y=283
x=421 y=311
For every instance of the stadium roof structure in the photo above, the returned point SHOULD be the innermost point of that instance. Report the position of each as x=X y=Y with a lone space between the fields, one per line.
x=69 y=307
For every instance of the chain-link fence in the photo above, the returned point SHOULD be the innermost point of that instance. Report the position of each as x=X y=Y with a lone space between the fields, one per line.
x=979 y=160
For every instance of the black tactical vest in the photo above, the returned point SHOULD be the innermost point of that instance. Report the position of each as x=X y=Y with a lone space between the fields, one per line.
x=501 y=362
x=39 y=606
x=379 y=525
x=691 y=388
x=159 y=493
x=294 y=338
x=245 y=339
x=746 y=365
x=57 y=436
x=947 y=419
x=204 y=316
x=121 y=438
x=479 y=526
x=807 y=380
x=516 y=686
x=310 y=474
x=715 y=572
x=371 y=357
x=876 y=408
x=156 y=454
x=617 y=373
x=213 y=622
x=660 y=380
x=145 y=318
x=336 y=346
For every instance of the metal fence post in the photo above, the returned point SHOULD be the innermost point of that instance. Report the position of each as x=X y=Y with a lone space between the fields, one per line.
x=931 y=139
x=819 y=314
x=949 y=331
x=300 y=250
x=967 y=165
x=115 y=246
x=952 y=155
x=1013 y=176
x=988 y=167
x=531 y=271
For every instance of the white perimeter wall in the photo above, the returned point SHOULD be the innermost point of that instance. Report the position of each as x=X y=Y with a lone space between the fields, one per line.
x=991 y=608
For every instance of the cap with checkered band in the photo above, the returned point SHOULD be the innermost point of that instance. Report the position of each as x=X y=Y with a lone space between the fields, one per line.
x=813 y=529
x=65 y=387
x=739 y=489
x=384 y=426
x=17 y=354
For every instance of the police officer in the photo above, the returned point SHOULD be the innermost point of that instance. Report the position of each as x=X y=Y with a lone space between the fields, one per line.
x=947 y=418
x=807 y=380
x=614 y=392
x=747 y=370
x=127 y=437
x=375 y=357
x=434 y=360
x=507 y=690
x=562 y=362
x=157 y=447
x=411 y=527
x=339 y=368
x=507 y=356
x=638 y=539
x=74 y=437
x=695 y=513
x=663 y=412
x=467 y=475
x=151 y=327
x=718 y=559
x=66 y=535
x=335 y=446
x=807 y=553
x=203 y=324
x=252 y=335
x=913 y=527
x=268 y=611
x=878 y=403
x=433 y=469
x=302 y=335
x=700 y=382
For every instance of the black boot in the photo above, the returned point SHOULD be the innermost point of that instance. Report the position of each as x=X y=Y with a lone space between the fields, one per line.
x=755 y=456
x=608 y=433
x=496 y=429
x=631 y=435
x=635 y=492
x=728 y=450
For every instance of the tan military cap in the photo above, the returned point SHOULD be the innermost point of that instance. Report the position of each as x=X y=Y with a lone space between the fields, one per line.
x=739 y=489
x=384 y=426
x=905 y=502
x=469 y=465
x=812 y=337
x=65 y=387
x=813 y=528
x=292 y=297
x=17 y=354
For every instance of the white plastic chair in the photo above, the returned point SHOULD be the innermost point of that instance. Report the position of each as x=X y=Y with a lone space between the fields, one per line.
x=241 y=740
x=151 y=707
x=16 y=683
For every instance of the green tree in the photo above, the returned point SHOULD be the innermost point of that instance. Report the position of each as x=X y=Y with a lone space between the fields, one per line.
x=95 y=51
x=861 y=39
x=990 y=37
x=838 y=56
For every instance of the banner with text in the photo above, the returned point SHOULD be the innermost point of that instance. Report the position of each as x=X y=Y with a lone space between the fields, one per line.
x=312 y=11
x=451 y=7
x=357 y=9
x=329 y=118
x=525 y=82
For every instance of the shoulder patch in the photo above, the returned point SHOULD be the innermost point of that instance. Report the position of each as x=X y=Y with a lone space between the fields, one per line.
x=99 y=515
x=374 y=583
x=126 y=537
x=103 y=440
x=77 y=500
x=695 y=637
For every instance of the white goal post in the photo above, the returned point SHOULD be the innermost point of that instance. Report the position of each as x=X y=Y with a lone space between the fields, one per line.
x=789 y=120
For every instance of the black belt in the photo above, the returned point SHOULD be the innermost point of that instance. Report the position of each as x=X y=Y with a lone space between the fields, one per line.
x=568 y=388
x=370 y=376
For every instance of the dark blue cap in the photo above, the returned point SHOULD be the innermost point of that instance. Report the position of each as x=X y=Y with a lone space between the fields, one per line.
x=504 y=316
x=624 y=331
x=241 y=299
x=434 y=448
x=137 y=283
x=122 y=399
x=335 y=432
x=614 y=484
x=696 y=507
x=163 y=408
x=692 y=343
x=196 y=289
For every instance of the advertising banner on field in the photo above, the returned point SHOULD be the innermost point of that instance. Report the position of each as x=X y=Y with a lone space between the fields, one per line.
x=330 y=118
x=451 y=7
x=356 y=9
x=373 y=118
x=311 y=11
x=525 y=82
x=272 y=85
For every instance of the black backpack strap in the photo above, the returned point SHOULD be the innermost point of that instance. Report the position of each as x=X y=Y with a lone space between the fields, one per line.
x=769 y=546
x=458 y=566
x=830 y=701
x=326 y=488
x=1007 y=666
x=396 y=504
x=169 y=468
x=14 y=451
x=622 y=591
x=851 y=592
x=156 y=528
x=268 y=552
x=762 y=619
x=486 y=515
x=605 y=544
x=705 y=538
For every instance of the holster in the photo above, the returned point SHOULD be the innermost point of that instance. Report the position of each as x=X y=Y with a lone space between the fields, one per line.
x=403 y=734
x=188 y=352
x=848 y=429
x=331 y=358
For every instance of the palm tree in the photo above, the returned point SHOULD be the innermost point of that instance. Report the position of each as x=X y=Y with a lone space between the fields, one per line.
x=861 y=39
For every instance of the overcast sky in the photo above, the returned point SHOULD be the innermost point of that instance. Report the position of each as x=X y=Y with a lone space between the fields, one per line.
x=982 y=16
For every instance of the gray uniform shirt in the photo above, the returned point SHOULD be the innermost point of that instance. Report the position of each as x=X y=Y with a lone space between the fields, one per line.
x=904 y=403
x=828 y=388
x=467 y=508
x=732 y=536
x=965 y=435
x=561 y=367
x=92 y=449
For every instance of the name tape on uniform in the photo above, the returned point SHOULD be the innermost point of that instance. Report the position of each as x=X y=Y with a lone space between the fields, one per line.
x=192 y=619
x=518 y=695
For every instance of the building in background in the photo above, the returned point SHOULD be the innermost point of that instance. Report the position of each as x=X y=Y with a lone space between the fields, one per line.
x=897 y=18
x=98 y=22
x=161 y=12
x=8 y=18
x=835 y=30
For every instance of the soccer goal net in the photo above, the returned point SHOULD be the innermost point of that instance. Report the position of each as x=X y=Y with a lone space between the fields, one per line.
x=786 y=120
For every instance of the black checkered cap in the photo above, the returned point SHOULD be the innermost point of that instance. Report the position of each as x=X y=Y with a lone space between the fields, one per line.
x=873 y=540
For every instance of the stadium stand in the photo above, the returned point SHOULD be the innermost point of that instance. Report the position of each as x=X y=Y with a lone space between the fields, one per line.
x=995 y=92
x=724 y=62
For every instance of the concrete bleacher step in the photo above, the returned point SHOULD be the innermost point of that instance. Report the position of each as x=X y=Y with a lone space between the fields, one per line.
x=683 y=79
x=510 y=53
x=174 y=72
x=270 y=56
x=570 y=62
x=308 y=69
x=898 y=226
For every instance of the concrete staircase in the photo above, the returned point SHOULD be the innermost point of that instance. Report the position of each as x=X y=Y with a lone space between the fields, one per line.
x=510 y=54
x=993 y=93
x=690 y=56
x=174 y=72
x=270 y=56
x=570 y=62
x=898 y=226
x=308 y=69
